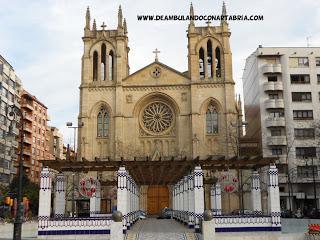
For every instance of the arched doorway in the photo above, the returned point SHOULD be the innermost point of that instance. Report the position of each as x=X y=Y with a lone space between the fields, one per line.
x=158 y=198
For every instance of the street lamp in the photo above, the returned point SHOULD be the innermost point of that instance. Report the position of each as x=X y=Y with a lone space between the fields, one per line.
x=70 y=125
x=15 y=114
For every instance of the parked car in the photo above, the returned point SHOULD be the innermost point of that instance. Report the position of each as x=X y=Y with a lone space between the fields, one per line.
x=166 y=213
x=142 y=214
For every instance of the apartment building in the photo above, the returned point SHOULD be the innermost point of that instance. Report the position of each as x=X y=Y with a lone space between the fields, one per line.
x=35 y=134
x=55 y=143
x=282 y=106
x=10 y=87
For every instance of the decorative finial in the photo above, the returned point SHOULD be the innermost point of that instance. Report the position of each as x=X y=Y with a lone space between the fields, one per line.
x=103 y=26
x=120 y=16
x=208 y=23
x=87 y=19
x=224 y=13
x=191 y=13
x=156 y=51
x=94 y=26
x=125 y=26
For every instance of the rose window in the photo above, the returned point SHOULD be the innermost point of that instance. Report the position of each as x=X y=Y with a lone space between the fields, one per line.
x=157 y=117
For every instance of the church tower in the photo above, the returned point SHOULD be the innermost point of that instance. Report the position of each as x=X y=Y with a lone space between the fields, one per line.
x=104 y=65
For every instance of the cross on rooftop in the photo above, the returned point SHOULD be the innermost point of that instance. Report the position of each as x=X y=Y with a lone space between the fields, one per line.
x=208 y=23
x=156 y=51
x=103 y=26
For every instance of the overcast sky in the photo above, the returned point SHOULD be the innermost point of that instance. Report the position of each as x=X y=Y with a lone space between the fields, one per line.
x=42 y=39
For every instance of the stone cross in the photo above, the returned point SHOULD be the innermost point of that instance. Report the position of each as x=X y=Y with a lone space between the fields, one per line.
x=103 y=26
x=208 y=23
x=156 y=51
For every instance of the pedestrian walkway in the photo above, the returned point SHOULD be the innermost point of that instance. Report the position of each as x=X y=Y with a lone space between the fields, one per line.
x=161 y=229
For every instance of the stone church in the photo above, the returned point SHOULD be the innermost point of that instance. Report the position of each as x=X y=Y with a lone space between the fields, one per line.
x=156 y=112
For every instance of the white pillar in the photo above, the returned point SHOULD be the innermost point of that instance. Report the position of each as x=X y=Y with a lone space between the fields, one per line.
x=60 y=196
x=218 y=199
x=274 y=198
x=180 y=199
x=95 y=202
x=186 y=199
x=174 y=200
x=191 y=201
x=129 y=195
x=122 y=197
x=256 y=193
x=198 y=197
x=44 y=197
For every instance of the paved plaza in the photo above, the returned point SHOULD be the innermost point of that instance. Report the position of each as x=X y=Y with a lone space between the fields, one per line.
x=160 y=229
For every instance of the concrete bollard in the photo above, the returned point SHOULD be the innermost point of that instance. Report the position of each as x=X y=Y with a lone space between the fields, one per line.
x=208 y=226
x=116 y=229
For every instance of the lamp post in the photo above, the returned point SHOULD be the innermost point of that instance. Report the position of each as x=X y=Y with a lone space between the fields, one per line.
x=70 y=125
x=15 y=114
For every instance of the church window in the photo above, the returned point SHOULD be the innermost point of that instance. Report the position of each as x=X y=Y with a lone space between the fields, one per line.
x=218 y=62
x=111 y=66
x=209 y=58
x=212 y=119
x=201 y=63
x=103 y=62
x=95 y=66
x=103 y=121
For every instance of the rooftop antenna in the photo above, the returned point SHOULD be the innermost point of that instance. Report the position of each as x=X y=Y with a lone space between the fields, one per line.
x=308 y=43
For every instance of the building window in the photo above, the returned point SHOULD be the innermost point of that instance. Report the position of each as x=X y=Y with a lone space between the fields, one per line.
x=276 y=151
x=276 y=132
x=34 y=140
x=276 y=114
x=95 y=66
x=272 y=78
x=301 y=97
x=300 y=79
x=111 y=66
x=318 y=61
x=303 y=62
x=218 y=62
x=304 y=133
x=103 y=121
x=302 y=114
x=305 y=152
x=209 y=58
x=201 y=63
x=307 y=171
x=274 y=96
x=212 y=122
x=318 y=78
x=103 y=62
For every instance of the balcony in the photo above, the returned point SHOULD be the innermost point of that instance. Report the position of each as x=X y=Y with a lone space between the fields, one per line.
x=275 y=122
x=273 y=86
x=271 y=68
x=276 y=140
x=27 y=140
x=27 y=152
x=274 y=103
x=28 y=117
x=27 y=105
x=27 y=128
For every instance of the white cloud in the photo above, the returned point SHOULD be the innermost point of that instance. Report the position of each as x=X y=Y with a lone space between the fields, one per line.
x=42 y=39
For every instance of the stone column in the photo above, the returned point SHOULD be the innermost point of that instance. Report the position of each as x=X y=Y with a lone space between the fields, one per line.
x=95 y=202
x=191 y=201
x=60 y=196
x=122 y=195
x=256 y=193
x=180 y=199
x=173 y=200
x=274 y=198
x=198 y=197
x=205 y=64
x=129 y=215
x=99 y=67
x=44 y=197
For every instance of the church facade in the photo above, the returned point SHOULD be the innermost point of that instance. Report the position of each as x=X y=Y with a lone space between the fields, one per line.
x=156 y=112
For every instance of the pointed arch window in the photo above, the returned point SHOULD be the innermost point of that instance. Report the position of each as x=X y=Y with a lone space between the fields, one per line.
x=103 y=122
x=111 y=66
x=95 y=66
x=218 y=62
x=212 y=121
x=201 y=63
x=103 y=62
x=209 y=57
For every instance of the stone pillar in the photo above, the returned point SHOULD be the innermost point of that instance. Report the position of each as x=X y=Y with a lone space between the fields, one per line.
x=205 y=64
x=95 y=202
x=274 y=198
x=129 y=196
x=60 y=196
x=179 y=200
x=174 y=200
x=256 y=193
x=122 y=195
x=191 y=201
x=198 y=197
x=45 y=196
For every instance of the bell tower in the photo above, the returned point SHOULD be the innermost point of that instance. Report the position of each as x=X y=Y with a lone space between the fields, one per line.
x=105 y=56
x=209 y=54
